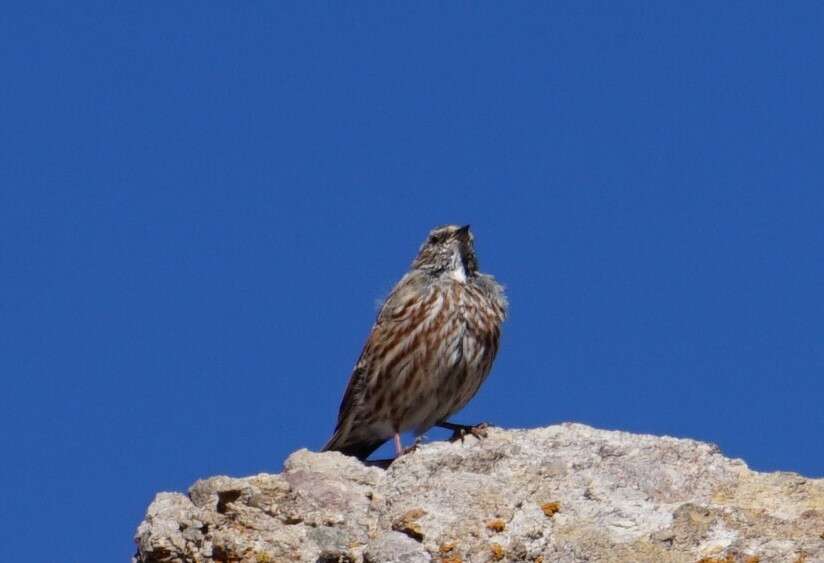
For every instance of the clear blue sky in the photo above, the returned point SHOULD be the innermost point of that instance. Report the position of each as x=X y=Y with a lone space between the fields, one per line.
x=202 y=202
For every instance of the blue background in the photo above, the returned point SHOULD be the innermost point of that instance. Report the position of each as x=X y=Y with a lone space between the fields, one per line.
x=201 y=204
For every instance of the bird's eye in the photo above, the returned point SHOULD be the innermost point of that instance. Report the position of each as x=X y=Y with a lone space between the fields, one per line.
x=434 y=239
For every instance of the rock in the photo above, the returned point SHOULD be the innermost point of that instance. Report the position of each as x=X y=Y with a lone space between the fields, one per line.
x=395 y=546
x=564 y=493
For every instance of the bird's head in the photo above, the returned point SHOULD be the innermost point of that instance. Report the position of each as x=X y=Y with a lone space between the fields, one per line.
x=448 y=250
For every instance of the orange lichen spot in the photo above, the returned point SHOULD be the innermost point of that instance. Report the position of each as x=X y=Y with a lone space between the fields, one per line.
x=446 y=547
x=551 y=508
x=752 y=559
x=497 y=551
x=496 y=525
x=407 y=524
x=447 y=555
x=414 y=514
x=539 y=559
x=727 y=559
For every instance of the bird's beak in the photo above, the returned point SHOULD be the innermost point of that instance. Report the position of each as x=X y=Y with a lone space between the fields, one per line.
x=463 y=231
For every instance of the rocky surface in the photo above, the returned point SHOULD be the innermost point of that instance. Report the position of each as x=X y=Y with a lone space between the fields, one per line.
x=565 y=493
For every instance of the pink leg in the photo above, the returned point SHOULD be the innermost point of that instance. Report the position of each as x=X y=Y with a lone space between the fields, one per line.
x=398 y=448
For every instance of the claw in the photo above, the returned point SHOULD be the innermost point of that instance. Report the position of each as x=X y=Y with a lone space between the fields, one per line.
x=479 y=430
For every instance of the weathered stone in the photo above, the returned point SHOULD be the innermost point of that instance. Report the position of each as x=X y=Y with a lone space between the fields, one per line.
x=565 y=493
x=396 y=547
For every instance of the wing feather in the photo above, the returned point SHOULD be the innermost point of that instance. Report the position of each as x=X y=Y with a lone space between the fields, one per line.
x=397 y=308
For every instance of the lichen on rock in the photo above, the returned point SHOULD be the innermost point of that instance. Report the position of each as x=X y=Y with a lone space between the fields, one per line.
x=564 y=493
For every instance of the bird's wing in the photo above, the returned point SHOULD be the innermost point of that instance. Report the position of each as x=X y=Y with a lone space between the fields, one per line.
x=395 y=309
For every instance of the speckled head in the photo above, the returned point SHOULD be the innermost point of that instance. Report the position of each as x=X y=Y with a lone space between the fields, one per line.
x=448 y=250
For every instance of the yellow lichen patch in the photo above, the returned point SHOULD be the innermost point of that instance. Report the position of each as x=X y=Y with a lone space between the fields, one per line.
x=497 y=551
x=263 y=558
x=539 y=559
x=446 y=547
x=407 y=524
x=726 y=559
x=446 y=555
x=752 y=559
x=496 y=525
x=550 y=508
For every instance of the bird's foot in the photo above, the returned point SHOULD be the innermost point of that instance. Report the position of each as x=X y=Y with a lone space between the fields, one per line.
x=413 y=447
x=400 y=450
x=459 y=431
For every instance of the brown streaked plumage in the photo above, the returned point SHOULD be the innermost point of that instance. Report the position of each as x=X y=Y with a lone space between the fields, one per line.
x=431 y=347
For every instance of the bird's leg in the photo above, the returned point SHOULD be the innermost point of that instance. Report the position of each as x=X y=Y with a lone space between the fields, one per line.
x=461 y=430
x=400 y=450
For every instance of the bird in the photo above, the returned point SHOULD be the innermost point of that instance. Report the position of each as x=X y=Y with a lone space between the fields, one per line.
x=431 y=347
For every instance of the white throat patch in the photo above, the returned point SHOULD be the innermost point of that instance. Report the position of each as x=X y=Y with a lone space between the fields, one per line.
x=458 y=274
